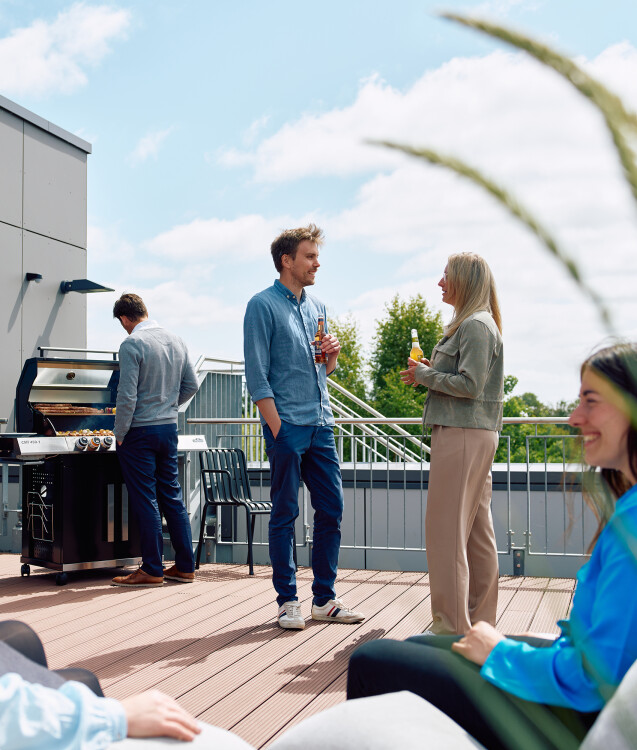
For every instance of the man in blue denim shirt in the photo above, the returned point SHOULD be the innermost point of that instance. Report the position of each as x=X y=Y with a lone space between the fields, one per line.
x=291 y=393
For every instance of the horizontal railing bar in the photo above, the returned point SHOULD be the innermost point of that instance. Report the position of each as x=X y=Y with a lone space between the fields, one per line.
x=374 y=420
x=203 y=360
x=75 y=349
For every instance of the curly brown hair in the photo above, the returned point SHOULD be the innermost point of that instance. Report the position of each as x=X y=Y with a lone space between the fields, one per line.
x=617 y=365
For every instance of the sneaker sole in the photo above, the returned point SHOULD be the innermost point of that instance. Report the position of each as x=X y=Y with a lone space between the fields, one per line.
x=179 y=580
x=289 y=626
x=342 y=620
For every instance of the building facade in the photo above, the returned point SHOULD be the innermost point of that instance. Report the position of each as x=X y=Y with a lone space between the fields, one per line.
x=42 y=233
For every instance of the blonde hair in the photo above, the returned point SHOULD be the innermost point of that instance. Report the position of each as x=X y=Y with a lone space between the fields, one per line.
x=471 y=282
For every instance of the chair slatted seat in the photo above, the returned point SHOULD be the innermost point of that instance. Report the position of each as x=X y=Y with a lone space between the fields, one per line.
x=225 y=482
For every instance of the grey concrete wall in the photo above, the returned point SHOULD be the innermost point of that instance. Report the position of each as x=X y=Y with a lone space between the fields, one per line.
x=383 y=525
x=42 y=230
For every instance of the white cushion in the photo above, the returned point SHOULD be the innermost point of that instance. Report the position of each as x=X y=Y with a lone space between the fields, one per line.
x=616 y=726
x=395 y=721
x=211 y=738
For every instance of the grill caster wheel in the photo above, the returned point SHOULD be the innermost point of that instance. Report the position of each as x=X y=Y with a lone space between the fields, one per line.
x=25 y=570
x=61 y=579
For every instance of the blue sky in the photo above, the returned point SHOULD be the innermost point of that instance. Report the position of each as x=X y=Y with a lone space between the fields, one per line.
x=215 y=125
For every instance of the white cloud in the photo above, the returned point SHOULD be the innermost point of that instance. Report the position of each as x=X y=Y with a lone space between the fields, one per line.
x=502 y=111
x=148 y=146
x=246 y=237
x=48 y=57
x=520 y=123
x=255 y=129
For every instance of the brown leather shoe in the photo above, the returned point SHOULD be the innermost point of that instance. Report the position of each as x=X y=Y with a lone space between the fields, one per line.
x=138 y=579
x=176 y=575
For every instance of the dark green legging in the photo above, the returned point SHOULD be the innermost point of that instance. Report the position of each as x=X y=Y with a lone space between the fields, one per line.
x=425 y=665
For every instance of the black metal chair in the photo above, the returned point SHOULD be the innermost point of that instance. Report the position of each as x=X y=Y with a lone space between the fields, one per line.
x=224 y=478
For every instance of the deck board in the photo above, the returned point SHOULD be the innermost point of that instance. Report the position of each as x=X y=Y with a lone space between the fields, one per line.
x=215 y=646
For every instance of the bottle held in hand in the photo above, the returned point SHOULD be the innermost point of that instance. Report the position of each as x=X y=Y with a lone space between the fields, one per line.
x=416 y=352
x=319 y=356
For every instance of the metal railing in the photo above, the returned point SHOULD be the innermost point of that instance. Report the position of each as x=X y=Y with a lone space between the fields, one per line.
x=540 y=519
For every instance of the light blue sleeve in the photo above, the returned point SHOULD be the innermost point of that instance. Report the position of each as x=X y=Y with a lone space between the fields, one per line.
x=582 y=676
x=33 y=717
x=257 y=331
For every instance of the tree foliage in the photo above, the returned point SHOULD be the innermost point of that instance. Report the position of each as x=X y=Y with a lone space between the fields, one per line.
x=379 y=383
x=350 y=372
x=393 y=338
x=540 y=448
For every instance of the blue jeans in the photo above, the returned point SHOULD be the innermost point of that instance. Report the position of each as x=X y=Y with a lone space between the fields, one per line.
x=308 y=453
x=148 y=459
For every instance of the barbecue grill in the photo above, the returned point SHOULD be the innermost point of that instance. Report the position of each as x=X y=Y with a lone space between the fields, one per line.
x=75 y=511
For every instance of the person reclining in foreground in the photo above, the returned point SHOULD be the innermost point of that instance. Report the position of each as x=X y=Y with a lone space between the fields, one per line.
x=533 y=692
x=40 y=708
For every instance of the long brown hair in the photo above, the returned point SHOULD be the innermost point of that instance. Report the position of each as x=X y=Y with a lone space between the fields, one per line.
x=617 y=365
x=470 y=280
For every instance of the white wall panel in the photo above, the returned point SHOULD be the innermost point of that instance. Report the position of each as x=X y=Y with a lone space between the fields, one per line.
x=54 y=187
x=10 y=168
x=11 y=291
x=48 y=316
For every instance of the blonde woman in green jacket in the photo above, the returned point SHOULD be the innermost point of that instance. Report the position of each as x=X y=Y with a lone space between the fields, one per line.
x=465 y=380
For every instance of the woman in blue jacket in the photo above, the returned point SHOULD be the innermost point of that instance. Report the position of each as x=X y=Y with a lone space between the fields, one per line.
x=525 y=692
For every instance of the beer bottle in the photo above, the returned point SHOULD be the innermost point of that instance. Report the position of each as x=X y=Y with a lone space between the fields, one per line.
x=416 y=352
x=319 y=356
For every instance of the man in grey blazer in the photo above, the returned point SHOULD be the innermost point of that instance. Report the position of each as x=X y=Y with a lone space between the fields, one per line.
x=155 y=377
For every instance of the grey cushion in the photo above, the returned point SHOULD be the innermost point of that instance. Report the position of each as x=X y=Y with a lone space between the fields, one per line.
x=616 y=726
x=13 y=661
x=393 y=721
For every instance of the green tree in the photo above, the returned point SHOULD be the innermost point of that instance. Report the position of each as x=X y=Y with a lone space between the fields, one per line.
x=350 y=372
x=540 y=450
x=393 y=340
x=399 y=400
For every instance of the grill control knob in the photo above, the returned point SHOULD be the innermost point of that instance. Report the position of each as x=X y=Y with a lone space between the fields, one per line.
x=107 y=442
x=93 y=444
x=81 y=443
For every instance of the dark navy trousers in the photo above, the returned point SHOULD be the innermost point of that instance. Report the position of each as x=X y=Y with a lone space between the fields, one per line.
x=148 y=459
x=308 y=453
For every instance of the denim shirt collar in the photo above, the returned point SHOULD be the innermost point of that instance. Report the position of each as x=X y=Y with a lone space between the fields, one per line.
x=282 y=289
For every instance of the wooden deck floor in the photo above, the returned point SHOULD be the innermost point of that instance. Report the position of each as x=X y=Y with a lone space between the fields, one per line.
x=215 y=646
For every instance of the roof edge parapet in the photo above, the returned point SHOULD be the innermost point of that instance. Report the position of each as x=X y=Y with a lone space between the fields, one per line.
x=45 y=125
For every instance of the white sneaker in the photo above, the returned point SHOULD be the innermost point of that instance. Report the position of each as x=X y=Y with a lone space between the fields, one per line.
x=336 y=611
x=290 y=616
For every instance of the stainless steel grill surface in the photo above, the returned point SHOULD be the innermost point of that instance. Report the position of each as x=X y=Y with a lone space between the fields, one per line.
x=75 y=512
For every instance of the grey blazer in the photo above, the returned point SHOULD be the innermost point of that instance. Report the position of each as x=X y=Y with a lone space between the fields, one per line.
x=466 y=377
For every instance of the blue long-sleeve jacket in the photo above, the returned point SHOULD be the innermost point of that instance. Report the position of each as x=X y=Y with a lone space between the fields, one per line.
x=598 y=644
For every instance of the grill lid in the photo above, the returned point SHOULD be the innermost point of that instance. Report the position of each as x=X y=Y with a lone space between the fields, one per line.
x=56 y=395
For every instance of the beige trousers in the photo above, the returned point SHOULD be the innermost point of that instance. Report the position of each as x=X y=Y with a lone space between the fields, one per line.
x=461 y=549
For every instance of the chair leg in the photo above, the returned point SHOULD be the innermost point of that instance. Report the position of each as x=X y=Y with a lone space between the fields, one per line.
x=250 y=527
x=201 y=530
